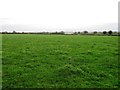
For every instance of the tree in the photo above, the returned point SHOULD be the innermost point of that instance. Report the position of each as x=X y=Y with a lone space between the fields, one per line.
x=104 y=32
x=118 y=33
x=110 y=32
x=85 y=32
x=78 y=32
x=75 y=33
x=22 y=32
x=62 y=32
x=4 y=32
x=95 y=32
x=14 y=31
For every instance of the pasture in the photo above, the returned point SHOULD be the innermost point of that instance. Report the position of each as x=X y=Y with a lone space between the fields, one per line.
x=59 y=61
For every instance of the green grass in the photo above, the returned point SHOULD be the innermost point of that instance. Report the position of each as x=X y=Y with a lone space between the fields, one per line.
x=0 y=61
x=59 y=61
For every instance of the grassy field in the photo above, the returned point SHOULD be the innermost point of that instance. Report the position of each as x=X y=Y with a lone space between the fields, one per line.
x=59 y=61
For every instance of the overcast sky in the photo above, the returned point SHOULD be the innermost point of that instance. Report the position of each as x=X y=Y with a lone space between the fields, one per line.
x=58 y=13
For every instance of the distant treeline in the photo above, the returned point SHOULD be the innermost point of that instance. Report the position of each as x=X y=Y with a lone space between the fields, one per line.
x=65 y=33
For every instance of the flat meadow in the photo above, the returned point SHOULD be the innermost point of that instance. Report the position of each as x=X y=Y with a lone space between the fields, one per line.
x=59 y=61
